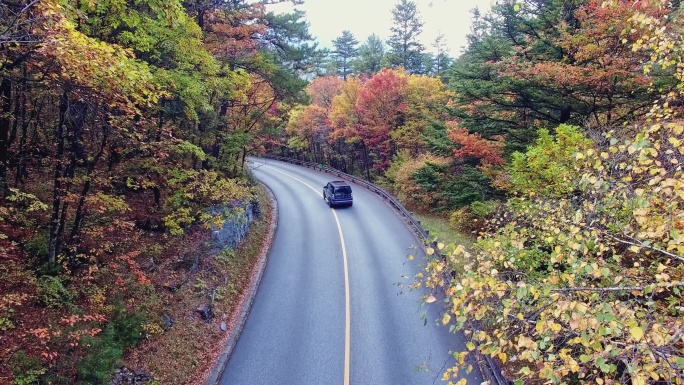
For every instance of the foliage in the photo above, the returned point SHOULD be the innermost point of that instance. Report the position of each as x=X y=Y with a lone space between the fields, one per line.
x=532 y=64
x=380 y=108
x=371 y=55
x=195 y=191
x=410 y=180
x=405 y=49
x=473 y=146
x=483 y=209
x=586 y=287
x=345 y=52
x=26 y=369
x=52 y=292
x=462 y=219
x=547 y=168
x=121 y=123
x=105 y=350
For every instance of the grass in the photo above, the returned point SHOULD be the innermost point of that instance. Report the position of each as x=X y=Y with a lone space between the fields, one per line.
x=441 y=230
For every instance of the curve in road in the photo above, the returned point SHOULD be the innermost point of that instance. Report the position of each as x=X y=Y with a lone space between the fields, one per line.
x=332 y=306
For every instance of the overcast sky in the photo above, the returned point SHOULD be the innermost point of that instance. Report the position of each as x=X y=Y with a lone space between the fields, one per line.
x=328 y=18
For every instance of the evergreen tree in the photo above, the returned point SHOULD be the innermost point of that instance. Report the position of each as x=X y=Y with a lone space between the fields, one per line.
x=345 y=52
x=370 y=56
x=441 y=59
x=405 y=49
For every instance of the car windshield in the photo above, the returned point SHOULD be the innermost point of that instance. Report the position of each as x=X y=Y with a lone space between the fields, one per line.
x=343 y=190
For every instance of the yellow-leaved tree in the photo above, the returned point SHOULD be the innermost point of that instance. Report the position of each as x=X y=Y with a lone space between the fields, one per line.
x=582 y=283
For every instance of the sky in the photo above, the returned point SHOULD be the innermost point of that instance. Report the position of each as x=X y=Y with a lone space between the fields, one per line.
x=328 y=18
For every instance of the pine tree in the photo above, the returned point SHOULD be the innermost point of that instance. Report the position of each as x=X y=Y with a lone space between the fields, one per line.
x=405 y=49
x=441 y=60
x=370 y=56
x=345 y=52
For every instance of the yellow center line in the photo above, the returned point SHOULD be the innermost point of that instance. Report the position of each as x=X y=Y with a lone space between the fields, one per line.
x=347 y=301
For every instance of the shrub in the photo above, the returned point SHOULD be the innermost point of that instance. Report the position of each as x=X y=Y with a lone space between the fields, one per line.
x=548 y=167
x=26 y=369
x=38 y=245
x=106 y=349
x=481 y=209
x=52 y=293
x=461 y=220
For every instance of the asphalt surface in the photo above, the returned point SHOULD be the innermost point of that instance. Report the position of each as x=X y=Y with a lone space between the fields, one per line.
x=295 y=331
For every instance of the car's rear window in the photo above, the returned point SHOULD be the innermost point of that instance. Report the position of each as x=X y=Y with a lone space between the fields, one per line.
x=343 y=190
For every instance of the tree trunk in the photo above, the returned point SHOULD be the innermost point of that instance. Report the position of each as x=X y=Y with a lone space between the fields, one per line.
x=80 y=209
x=55 y=245
x=5 y=110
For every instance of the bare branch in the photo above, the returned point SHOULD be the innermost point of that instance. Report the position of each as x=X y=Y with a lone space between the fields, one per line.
x=616 y=288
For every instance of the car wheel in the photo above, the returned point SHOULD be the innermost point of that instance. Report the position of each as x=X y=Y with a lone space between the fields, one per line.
x=324 y=195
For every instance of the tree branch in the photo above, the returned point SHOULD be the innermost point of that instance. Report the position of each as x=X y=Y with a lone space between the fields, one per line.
x=613 y=289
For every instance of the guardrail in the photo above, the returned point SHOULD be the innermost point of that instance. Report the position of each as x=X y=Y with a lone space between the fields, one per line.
x=364 y=183
x=490 y=369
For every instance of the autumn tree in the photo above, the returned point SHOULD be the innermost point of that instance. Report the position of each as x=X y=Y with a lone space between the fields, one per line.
x=345 y=141
x=425 y=100
x=578 y=276
x=309 y=126
x=120 y=123
x=535 y=64
x=380 y=109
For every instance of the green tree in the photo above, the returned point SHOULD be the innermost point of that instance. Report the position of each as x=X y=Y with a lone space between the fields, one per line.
x=371 y=56
x=344 y=52
x=441 y=60
x=405 y=49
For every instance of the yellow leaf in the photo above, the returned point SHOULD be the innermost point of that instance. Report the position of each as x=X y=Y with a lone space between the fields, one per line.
x=440 y=245
x=503 y=357
x=429 y=251
x=637 y=333
x=430 y=299
x=446 y=318
x=638 y=379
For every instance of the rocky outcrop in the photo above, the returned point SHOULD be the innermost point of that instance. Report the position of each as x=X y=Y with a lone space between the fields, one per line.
x=125 y=376
x=237 y=219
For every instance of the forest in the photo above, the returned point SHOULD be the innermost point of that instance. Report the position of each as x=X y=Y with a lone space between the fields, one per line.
x=554 y=139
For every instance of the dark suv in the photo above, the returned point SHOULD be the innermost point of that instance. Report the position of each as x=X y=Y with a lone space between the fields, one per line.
x=337 y=192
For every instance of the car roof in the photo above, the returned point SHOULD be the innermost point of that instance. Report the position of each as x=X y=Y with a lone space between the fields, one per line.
x=339 y=183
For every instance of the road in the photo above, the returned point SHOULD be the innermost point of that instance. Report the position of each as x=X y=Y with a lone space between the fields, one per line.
x=330 y=308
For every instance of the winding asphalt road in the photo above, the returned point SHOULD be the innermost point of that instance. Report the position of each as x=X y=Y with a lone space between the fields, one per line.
x=330 y=308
